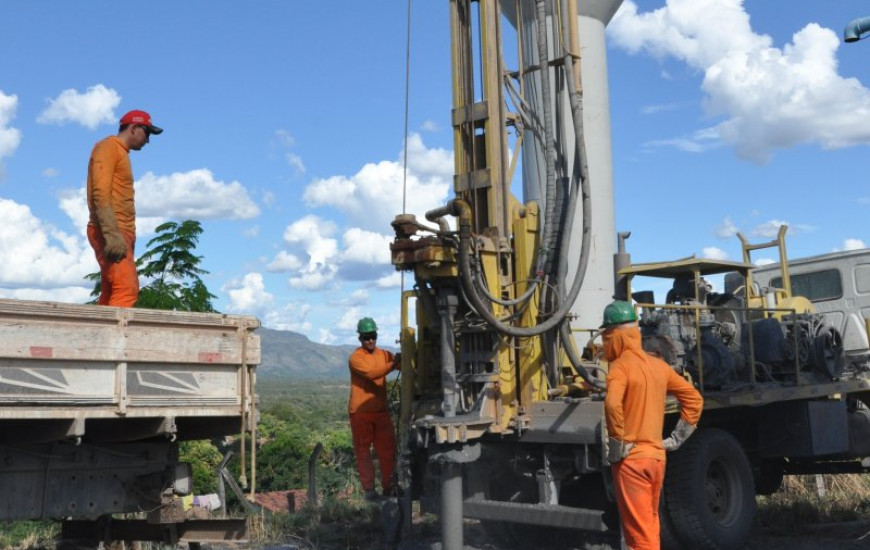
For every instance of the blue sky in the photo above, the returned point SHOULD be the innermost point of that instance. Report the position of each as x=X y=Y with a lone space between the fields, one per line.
x=285 y=129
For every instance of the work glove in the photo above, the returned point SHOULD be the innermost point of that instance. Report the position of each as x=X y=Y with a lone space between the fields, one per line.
x=116 y=248
x=679 y=436
x=617 y=449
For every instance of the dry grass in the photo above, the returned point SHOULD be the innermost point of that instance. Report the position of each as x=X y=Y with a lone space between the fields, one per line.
x=335 y=523
x=805 y=502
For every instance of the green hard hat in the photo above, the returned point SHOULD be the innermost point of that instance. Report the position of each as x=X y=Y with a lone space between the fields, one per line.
x=366 y=325
x=618 y=312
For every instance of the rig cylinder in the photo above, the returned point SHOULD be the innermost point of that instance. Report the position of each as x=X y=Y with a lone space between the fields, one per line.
x=592 y=18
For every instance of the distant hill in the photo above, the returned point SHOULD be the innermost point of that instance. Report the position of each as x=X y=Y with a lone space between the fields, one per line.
x=286 y=354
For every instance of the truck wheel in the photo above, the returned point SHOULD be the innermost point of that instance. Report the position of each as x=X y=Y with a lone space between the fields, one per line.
x=667 y=532
x=710 y=492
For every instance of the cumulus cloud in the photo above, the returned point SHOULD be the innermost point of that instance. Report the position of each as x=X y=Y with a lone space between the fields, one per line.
x=852 y=244
x=313 y=237
x=193 y=194
x=367 y=202
x=373 y=196
x=393 y=280
x=248 y=294
x=69 y=294
x=90 y=109
x=714 y=253
x=366 y=247
x=284 y=262
x=35 y=255
x=766 y=97
x=10 y=138
x=292 y=316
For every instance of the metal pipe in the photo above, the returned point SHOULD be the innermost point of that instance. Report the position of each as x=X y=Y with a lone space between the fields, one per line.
x=447 y=305
x=855 y=28
x=451 y=506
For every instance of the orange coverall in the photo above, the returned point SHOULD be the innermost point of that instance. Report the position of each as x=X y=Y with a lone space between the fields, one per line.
x=110 y=184
x=370 y=422
x=634 y=407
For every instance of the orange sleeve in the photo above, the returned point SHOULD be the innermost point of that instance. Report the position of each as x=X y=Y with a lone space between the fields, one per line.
x=110 y=183
x=613 y=402
x=368 y=382
x=101 y=173
x=372 y=365
x=691 y=402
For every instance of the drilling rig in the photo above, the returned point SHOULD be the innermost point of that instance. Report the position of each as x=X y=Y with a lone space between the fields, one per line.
x=502 y=386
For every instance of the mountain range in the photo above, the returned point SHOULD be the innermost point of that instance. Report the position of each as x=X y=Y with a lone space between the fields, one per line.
x=286 y=355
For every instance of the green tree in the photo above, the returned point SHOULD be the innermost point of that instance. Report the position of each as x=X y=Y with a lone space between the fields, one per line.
x=204 y=458
x=173 y=269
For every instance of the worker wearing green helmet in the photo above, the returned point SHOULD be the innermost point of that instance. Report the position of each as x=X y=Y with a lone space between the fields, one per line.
x=370 y=422
x=634 y=407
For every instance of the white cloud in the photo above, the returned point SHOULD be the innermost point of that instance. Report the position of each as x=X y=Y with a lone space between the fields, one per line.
x=311 y=235
x=90 y=109
x=429 y=126
x=248 y=294
x=393 y=280
x=727 y=229
x=293 y=316
x=194 y=194
x=366 y=202
x=366 y=247
x=314 y=277
x=714 y=253
x=50 y=173
x=770 y=229
x=763 y=261
x=284 y=262
x=326 y=337
x=767 y=97
x=10 y=138
x=284 y=141
x=655 y=109
x=69 y=294
x=349 y=319
x=74 y=203
x=35 y=255
x=853 y=244
x=373 y=196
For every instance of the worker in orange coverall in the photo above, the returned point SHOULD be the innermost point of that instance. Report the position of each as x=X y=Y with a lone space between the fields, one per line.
x=370 y=422
x=634 y=407
x=112 y=224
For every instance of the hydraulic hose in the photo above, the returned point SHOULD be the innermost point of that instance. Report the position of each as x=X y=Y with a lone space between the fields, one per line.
x=461 y=209
x=549 y=141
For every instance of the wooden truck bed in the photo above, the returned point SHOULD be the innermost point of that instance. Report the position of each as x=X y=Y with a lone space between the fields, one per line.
x=83 y=371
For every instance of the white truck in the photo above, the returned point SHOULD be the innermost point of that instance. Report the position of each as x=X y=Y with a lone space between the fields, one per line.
x=94 y=402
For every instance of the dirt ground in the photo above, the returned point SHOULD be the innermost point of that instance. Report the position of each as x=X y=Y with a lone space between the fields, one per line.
x=846 y=536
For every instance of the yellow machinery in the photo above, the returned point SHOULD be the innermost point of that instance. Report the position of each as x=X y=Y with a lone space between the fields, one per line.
x=501 y=413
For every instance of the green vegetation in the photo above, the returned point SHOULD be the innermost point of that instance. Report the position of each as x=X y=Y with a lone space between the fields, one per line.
x=28 y=534
x=173 y=270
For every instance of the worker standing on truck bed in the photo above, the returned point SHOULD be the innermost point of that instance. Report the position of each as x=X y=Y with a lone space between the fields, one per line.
x=112 y=224
x=370 y=422
x=634 y=408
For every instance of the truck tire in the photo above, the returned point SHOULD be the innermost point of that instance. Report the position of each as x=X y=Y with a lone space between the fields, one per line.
x=667 y=532
x=710 y=492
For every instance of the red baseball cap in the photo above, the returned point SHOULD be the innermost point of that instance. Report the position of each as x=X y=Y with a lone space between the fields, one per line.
x=142 y=118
